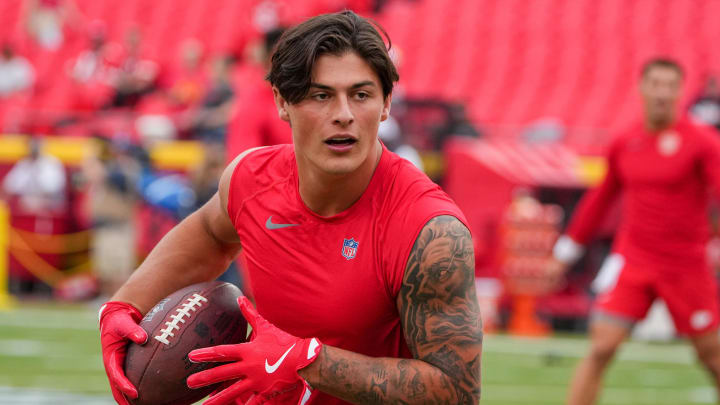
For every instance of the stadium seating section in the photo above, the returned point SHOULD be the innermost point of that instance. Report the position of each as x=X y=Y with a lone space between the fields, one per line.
x=513 y=62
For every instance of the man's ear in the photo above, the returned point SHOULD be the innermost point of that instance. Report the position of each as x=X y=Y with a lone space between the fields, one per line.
x=281 y=105
x=386 y=108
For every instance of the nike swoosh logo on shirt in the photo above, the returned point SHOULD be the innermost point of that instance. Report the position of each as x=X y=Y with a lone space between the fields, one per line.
x=269 y=224
x=272 y=368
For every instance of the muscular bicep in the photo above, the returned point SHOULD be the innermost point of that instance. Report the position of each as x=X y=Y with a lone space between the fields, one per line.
x=217 y=223
x=438 y=305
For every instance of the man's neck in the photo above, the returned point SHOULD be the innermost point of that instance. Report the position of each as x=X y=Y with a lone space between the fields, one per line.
x=328 y=195
x=656 y=126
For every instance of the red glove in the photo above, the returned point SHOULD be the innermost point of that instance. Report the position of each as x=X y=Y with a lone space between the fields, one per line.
x=266 y=366
x=118 y=323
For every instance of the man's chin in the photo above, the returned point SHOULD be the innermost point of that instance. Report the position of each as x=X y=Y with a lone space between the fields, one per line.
x=661 y=120
x=339 y=170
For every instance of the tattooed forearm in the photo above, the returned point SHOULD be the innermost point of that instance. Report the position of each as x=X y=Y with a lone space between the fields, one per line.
x=441 y=321
x=367 y=380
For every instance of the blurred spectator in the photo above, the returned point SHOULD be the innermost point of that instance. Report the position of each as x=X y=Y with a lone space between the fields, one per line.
x=166 y=114
x=93 y=71
x=706 y=106
x=154 y=127
x=16 y=73
x=266 y=15
x=35 y=188
x=186 y=85
x=136 y=76
x=209 y=121
x=206 y=177
x=38 y=182
x=459 y=124
x=45 y=20
x=455 y=124
x=255 y=119
x=91 y=64
x=111 y=175
x=171 y=193
x=204 y=181
x=391 y=135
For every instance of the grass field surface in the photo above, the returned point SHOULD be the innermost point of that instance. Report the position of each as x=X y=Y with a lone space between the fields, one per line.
x=50 y=353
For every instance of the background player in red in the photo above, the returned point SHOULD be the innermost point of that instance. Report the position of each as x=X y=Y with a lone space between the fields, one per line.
x=362 y=268
x=663 y=167
x=254 y=119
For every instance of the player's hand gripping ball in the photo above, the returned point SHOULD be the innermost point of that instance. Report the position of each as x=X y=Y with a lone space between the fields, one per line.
x=197 y=316
x=262 y=371
x=118 y=325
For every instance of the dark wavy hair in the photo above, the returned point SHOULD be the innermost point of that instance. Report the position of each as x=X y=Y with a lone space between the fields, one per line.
x=299 y=47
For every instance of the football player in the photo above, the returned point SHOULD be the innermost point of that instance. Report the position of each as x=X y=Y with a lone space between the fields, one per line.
x=663 y=166
x=361 y=267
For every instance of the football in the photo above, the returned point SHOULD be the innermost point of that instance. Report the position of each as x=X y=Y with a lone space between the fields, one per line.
x=200 y=315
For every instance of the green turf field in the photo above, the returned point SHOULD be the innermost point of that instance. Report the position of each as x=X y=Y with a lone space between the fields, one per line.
x=50 y=353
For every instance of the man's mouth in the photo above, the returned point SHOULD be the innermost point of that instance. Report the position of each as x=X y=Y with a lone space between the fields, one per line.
x=341 y=141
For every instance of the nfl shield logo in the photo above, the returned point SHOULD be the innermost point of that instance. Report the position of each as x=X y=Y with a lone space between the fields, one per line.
x=349 y=248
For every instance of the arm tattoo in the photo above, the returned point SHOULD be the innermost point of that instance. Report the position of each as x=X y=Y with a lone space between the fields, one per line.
x=439 y=306
x=441 y=320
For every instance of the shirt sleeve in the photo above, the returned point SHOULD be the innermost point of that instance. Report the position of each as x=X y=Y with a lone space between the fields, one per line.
x=595 y=203
x=403 y=229
x=710 y=161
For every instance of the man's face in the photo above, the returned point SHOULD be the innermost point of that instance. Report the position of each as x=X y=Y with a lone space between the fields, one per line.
x=335 y=126
x=660 y=89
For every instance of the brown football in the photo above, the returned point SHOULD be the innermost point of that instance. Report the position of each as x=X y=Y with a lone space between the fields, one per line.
x=200 y=315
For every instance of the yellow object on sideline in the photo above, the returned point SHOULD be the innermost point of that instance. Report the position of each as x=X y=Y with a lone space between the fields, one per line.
x=71 y=151
x=6 y=300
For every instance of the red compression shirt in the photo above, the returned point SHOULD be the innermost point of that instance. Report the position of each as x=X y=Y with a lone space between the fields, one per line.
x=335 y=278
x=664 y=178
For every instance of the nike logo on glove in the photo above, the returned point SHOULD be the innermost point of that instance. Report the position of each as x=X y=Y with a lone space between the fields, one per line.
x=312 y=347
x=272 y=368
x=269 y=224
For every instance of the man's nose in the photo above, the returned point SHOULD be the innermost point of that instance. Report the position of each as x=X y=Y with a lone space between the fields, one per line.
x=666 y=92
x=343 y=115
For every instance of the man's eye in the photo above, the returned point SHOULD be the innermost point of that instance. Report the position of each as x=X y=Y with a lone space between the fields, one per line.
x=362 y=95
x=320 y=96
